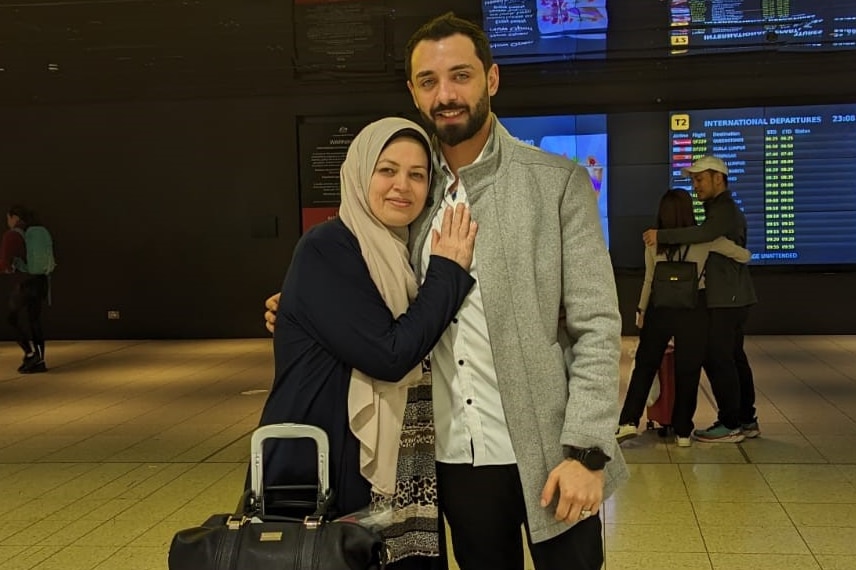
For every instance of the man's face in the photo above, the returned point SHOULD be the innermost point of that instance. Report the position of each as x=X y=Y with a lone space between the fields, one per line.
x=707 y=184
x=450 y=87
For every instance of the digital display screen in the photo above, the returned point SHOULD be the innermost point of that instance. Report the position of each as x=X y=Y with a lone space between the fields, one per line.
x=707 y=26
x=536 y=31
x=580 y=138
x=792 y=172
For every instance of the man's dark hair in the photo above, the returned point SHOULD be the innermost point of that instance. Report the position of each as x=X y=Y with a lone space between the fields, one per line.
x=443 y=27
x=711 y=172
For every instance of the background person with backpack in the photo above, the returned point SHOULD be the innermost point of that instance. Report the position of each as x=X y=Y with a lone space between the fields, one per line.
x=26 y=252
x=660 y=320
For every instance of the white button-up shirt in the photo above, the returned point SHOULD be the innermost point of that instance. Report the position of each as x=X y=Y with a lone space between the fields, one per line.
x=469 y=421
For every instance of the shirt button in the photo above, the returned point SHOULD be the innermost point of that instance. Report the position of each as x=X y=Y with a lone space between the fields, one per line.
x=469 y=401
x=455 y=320
x=461 y=362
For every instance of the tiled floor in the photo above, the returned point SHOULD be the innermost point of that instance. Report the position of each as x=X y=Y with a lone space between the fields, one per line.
x=122 y=443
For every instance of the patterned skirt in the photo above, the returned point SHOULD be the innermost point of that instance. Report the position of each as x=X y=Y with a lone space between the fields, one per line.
x=413 y=530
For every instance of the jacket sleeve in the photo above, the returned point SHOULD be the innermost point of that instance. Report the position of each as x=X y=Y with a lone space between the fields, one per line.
x=11 y=246
x=329 y=292
x=593 y=322
x=650 y=262
x=728 y=248
x=718 y=222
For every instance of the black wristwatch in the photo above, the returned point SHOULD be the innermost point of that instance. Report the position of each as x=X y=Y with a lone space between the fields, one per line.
x=592 y=458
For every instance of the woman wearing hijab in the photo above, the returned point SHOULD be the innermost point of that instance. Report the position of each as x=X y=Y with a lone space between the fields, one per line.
x=352 y=331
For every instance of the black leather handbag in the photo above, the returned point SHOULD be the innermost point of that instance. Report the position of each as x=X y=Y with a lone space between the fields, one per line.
x=675 y=282
x=254 y=540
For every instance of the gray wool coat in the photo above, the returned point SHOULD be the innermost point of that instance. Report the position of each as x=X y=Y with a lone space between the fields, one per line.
x=540 y=247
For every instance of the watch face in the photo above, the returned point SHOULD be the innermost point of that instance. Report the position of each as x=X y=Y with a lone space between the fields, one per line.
x=592 y=458
x=595 y=459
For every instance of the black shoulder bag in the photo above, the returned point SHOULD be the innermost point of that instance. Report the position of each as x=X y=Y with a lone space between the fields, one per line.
x=253 y=539
x=675 y=282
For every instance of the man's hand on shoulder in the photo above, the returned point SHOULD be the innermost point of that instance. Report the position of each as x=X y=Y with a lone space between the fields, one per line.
x=580 y=491
x=271 y=304
x=650 y=237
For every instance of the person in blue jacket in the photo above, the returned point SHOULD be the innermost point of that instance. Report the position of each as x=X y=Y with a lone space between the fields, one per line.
x=352 y=331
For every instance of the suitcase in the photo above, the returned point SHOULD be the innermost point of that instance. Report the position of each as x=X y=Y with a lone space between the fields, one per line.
x=661 y=411
x=270 y=531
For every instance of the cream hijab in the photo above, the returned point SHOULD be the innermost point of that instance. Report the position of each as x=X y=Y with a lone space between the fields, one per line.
x=375 y=408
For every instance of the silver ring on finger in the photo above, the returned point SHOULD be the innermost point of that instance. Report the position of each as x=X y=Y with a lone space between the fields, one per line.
x=584 y=514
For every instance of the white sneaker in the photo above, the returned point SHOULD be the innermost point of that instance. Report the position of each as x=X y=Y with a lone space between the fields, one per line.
x=683 y=441
x=625 y=432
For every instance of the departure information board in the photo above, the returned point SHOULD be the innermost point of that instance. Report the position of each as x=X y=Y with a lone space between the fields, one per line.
x=705 y=26
x=792 y=171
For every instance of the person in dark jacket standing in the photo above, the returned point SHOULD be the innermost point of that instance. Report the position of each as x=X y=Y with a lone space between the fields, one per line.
x=730 y=294
x=351 y=336
x=28 y=291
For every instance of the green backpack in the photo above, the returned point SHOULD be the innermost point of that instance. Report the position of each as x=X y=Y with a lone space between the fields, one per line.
x=40 y=258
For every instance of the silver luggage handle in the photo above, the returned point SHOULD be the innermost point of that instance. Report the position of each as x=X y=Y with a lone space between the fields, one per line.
x=288 y=431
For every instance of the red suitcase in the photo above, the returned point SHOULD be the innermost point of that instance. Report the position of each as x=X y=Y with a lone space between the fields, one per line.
x=661 y=411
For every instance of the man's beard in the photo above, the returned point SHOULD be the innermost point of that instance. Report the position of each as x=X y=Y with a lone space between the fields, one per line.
x=453 y=135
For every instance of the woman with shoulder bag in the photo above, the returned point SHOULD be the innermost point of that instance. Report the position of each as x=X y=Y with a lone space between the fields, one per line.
x=659 y=323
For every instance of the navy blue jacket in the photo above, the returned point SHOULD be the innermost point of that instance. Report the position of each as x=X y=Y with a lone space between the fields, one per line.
x=331 y=319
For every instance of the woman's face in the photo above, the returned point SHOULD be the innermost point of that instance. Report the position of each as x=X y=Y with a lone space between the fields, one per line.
x=399 y=184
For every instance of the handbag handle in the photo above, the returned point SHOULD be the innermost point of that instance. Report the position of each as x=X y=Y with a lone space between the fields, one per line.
x=670 y=254
x=290 y=431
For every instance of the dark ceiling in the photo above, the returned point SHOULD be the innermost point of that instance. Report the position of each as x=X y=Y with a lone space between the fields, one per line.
x=64 y=49
x=90 y=50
